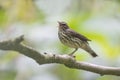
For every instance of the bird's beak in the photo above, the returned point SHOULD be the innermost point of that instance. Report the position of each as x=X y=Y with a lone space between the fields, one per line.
x=59 y=22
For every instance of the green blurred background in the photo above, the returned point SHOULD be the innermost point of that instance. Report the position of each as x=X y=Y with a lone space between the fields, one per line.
x=99 y=20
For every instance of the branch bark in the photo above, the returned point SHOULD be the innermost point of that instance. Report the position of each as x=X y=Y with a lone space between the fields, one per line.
x=47 y=58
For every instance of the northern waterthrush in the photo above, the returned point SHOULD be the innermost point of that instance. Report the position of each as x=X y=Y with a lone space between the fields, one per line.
x=73 y=39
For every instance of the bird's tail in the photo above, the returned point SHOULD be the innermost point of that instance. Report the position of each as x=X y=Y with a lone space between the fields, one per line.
x=93 y=54
x=89 y=50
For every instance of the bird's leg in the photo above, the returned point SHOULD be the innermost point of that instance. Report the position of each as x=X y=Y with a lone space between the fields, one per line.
x=73 y=51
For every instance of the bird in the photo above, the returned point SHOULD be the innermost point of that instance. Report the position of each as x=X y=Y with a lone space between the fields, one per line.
x=73 y=39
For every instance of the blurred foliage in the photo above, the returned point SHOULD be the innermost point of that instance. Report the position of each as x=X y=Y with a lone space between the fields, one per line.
x=19 y=10
x=64 y=73
x=7 y=75
x=2 y=16
x=76 y=21
x=8 y=57
x=107 y=47
x=80 y=11
x=7 y=68
x=108 y=78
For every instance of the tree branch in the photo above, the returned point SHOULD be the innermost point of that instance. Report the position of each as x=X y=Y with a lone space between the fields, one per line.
x=68 y=61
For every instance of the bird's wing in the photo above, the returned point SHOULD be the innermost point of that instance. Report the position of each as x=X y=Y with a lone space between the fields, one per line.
x=75 y=34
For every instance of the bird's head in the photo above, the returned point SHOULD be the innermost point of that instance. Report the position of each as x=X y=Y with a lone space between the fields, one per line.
x=63 y=25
